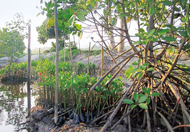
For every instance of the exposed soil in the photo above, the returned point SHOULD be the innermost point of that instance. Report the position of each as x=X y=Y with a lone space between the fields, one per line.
x=42 y=121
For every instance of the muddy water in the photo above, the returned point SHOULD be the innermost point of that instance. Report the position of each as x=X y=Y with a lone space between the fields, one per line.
x=13 y=106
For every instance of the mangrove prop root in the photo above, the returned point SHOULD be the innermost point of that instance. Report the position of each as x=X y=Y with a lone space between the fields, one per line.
x=166 y=121
x=118 y=122
x=117 y=108
x=148 y=120
x=129 y=121
x=174 y=63
x=181 y=126
x=180 y=100
x=98 y=82
x=97 y=119
x=115 y=74
x=169 y=115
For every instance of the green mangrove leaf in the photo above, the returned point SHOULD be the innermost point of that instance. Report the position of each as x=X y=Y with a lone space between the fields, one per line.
x=83 y=12
x=41 y=84
x=80 y=34
x=155 y=94
x=141 y=30
x=139 y=70
x=78 y=26
x=137 y=42
x=184 y=19
x=135 y=96
x=139 y=35
x=50 y=22
x=66 y=24
x=128 y=101
x=186 y=69
x=114 y=21
x=150 y=33
x=143 y=106
x=181 y=28
x=169 y=39
x=133 y=106
x=142 y=67
x=144 y=90
x=188 y=30
x=142 y=99
x=128 y=74
x=148 y=101
x=130 y=68
x=81 y=17
x=134 y=70
x=183 y=33
x=139 y=61
x=79 y=105
x=177 y=9
x=72 y=20
x=148 y=91
x=163 y=31
x=146 y=64
x=134 y=63
x=169 y=3
x=104 y=97
x=150 y=69
x=152 y=10
x=140 y=75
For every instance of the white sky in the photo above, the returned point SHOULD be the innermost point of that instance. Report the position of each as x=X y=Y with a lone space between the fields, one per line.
x=8 y=8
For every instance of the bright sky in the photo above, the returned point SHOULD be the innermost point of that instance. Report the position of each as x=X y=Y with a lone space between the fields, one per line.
x=8 y=8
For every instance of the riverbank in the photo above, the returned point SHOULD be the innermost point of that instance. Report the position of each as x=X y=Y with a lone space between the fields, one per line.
x=41 y=120
x=44 y=121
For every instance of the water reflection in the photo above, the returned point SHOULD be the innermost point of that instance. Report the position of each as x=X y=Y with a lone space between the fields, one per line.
x=13 y=106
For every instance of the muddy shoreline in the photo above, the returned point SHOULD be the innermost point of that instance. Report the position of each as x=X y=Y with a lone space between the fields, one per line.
x=41 y=120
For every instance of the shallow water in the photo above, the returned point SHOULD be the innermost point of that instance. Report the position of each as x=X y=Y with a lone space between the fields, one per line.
x=13 y=106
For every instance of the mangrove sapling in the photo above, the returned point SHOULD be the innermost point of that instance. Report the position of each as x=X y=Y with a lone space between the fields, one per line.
x=86 y=107
x=85 y=90
x=63 y=87
x=87 y=104
x=99 y=90
x=90 y=107
x=78 y=85
x=60 y=121
x=92 y=68
x=71 y=116
x=80 y=67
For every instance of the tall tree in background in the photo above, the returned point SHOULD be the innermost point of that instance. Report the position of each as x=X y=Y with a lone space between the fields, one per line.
x=12 y=37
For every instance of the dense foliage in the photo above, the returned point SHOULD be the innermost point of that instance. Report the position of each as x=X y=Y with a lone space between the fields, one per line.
x=74 y=87
x=12 y=38
x=161 y=31
x=160 y=84
x=12 y=44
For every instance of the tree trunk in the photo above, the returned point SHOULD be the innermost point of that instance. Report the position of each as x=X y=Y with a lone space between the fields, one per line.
x=57 y=62
x=28 y=72
x=111 y=37
x=121 y=45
